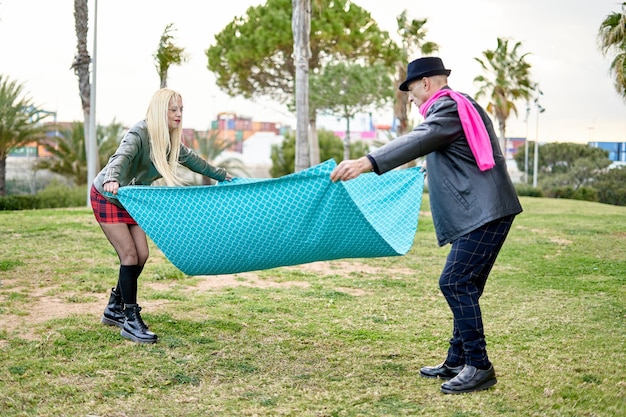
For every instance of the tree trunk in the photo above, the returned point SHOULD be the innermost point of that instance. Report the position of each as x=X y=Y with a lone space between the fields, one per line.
x=502 y=139
x=82 y=58
x=3 y=174
x=301 y=27
x=346 y=141
x=81 y=69
x=401 y=104
x=314 y=146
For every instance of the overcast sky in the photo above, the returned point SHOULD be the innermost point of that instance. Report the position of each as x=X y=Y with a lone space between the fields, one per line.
x=38 y=43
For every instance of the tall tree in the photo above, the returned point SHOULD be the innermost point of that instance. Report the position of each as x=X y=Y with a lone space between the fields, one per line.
x=301 y=28
x=253 y=56
x=168 y=54
x=507 y=80
x=413 y=44
x=346 y=90
x=81 y=64
x=612 y=40
x=19 y=122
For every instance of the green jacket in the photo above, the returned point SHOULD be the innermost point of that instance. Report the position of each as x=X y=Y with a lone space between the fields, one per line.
x=131 y=163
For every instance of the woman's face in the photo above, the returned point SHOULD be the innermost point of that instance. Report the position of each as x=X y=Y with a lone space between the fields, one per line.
x=175 y=113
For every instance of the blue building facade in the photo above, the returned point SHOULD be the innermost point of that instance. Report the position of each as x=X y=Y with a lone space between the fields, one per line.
x=616 y=150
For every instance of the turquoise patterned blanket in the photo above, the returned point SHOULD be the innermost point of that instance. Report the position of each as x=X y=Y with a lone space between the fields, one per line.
x=254 y=224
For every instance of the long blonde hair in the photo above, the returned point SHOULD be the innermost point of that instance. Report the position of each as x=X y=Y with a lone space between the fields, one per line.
x=164 y=145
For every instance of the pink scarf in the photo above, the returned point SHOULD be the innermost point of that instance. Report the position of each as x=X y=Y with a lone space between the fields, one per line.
x=473 y=126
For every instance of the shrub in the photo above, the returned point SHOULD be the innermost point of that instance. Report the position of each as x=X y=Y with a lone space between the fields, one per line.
x=57 y=195
x=528 y=190
x=19 y=202
x=610 y=186
x=582 y=193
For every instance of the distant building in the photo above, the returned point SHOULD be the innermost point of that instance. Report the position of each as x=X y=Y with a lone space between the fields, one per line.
x=256 y=154
x=617 y=150
x=230 y=126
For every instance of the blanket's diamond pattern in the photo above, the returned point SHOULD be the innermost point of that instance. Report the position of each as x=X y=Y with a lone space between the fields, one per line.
x=252 y=224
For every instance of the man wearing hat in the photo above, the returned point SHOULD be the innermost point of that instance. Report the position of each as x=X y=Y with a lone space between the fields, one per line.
x=473 y=204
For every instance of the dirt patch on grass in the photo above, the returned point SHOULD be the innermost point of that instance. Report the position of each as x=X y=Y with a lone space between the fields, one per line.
x=41 y=307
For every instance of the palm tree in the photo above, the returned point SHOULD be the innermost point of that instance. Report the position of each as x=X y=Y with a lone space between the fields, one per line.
x=109 y=138
x=19 y=122
x=210 y=146
x=167 y=54
x=68 y=154
x=612 y=40
x=412 y=37
x=68 y=150
x=507 y=80
x=81 y=65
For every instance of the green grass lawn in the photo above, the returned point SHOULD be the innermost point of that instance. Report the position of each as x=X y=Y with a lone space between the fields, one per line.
x=341 y=338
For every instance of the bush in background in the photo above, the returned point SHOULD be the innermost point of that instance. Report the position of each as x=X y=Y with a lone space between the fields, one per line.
x=55 y=195
x=582 y=193
x=19 y=202
x=528 y=190
x=610 y=186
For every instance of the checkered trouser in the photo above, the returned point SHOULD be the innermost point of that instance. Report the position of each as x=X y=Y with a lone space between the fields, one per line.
x=462 y=283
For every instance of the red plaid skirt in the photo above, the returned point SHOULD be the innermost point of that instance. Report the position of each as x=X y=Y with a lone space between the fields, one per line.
x=107 y=212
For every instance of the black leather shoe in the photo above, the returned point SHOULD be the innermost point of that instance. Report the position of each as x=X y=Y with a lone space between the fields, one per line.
x=470 y=379
x=441 y=371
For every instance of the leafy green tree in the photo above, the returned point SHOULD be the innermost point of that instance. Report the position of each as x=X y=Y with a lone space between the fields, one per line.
x=612 y=40
x=19 y=122
x=253 y=56
x=346 y=90
x=210 y=146
x=412 y=44
x=507 y=80
x=565 y=164
x=168 y=54
x=609 y=186
x=331 y=147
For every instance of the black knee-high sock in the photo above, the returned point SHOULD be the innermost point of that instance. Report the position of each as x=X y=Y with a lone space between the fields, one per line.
x=118 y=290
x=128 y=282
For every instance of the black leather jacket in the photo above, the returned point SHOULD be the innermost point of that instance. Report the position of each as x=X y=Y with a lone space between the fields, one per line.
x=131 y=163
x=462 y=198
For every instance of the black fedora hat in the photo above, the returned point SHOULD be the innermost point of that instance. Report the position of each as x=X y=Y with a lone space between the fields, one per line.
x=423 y=67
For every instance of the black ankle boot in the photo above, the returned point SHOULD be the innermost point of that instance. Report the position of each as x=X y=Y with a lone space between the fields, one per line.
x=114 y=311
x=134 y=328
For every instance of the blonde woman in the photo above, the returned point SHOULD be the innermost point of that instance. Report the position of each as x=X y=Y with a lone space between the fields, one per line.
x=150 y=150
